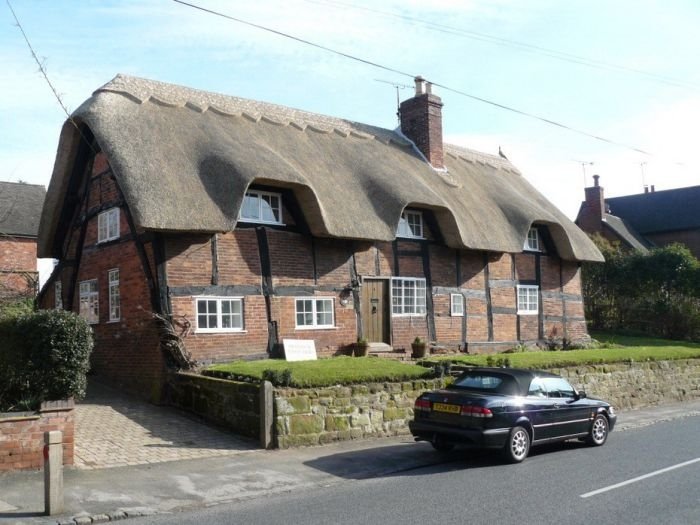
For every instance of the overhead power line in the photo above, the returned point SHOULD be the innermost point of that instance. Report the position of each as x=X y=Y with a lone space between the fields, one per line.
x=411 y=75
x=522 y=46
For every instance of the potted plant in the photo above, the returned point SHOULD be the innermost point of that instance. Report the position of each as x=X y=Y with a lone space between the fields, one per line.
x=419 y=348
x=361 y=347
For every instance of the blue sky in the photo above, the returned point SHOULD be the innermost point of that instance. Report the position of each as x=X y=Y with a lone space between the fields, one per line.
x=86 y=43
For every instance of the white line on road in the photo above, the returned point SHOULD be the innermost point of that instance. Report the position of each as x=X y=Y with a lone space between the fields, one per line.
x=640 y=478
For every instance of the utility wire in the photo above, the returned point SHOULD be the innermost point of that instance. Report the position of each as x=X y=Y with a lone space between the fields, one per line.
x=522 y=46
x=42 y=70
x=403 y=73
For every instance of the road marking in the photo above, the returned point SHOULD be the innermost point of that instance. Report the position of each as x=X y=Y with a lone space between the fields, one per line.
x=640 y=478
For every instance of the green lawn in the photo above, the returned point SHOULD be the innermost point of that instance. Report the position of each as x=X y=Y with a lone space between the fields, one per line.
x=324 y=372
x=348 y=370
x=617 y=349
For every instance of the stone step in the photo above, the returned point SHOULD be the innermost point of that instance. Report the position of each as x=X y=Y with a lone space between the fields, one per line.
x=379 y=348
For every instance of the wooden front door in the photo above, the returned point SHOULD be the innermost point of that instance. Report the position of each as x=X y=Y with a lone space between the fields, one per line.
x=375 y=310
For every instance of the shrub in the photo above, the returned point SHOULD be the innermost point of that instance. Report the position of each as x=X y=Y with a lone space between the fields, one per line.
x=43 y=355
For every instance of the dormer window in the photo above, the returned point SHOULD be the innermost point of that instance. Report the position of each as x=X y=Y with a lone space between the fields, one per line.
x=532 y=243
x=108 y=225
x=262 y=206
x=410 y=225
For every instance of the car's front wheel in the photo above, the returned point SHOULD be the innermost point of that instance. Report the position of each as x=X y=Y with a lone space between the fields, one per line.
x=517 y=446
x=598 y=434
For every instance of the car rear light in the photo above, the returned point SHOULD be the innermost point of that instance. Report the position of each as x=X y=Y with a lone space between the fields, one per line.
x=422 y=404
x=474 y=411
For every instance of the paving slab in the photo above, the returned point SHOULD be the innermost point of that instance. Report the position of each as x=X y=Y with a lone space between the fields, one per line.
x=116 y=430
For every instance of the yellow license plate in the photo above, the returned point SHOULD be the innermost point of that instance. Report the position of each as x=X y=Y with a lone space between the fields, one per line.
x=443 y=407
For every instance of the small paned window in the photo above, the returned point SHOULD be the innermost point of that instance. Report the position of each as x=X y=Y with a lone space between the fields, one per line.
x=58 y=295
x=219 y=314
x=407 y=296
x=528 y=300
x=532 y=243
x=262 y=206
x=312 y=312
x=457 y=304
x=89 y=301
x=114 y=300
x=108 y=225
x=410 y=225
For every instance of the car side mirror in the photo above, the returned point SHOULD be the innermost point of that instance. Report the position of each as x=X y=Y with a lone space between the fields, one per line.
x=581 y=394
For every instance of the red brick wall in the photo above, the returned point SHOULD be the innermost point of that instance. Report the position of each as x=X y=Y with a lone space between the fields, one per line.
x=22 y=437
x=17 y=266
x=127 y=352
x=689 y=238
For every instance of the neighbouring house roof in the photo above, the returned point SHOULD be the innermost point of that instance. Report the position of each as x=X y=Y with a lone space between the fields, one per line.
x=20 y=208
x=659 y=211
x=627 y=234
x=184 y=159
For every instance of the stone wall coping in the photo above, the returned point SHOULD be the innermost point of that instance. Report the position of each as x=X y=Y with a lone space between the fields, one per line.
x=202 y=377
x=10 y=417
x=61 y=405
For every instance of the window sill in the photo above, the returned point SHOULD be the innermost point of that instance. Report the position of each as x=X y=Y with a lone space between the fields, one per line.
x=254 y=221
x=221 y=331
x=527 y=312
x=424 y=314
x=456 y=315
x=113 y=321
x=410 y=237
x=315 y=328
x=105 y=241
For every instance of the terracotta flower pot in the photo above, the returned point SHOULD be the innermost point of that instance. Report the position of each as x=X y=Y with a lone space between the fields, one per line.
x=361 y=349
x=419 y=350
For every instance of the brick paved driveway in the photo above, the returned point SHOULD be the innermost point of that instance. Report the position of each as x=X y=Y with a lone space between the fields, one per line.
x=115 y=430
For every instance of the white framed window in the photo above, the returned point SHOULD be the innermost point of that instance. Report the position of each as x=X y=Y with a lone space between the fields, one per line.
x=58 y=295
x=115 y=309
x=456 y=304
x=407 y=296
x=410 y=225
x=528 y=300
x=262 y=206
x=532 y=243
x=314 y=312
x=219 y=314
x=89 y=301
x=108 y=225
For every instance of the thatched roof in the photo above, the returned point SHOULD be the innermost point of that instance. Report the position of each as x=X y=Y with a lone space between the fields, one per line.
x=20 y=208
x=184 y=159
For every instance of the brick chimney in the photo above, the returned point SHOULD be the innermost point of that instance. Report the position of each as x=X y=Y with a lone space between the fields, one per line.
x=421 y=121
x=592 y=210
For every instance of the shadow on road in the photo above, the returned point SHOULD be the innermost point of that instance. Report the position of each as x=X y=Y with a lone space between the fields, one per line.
x=417 y=459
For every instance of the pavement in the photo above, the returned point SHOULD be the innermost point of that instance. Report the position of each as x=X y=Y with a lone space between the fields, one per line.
x=110 y=494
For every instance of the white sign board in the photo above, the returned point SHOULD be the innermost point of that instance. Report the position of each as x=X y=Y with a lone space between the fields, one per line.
x=299 y=349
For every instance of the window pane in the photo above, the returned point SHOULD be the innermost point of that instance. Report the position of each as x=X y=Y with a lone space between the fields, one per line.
x=251 y=206
x=266 y=207
x=201 y=307
x=213 y=321
x=225 y=307
x=202 y=321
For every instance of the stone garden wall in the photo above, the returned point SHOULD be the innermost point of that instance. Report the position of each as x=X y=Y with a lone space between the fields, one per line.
x=320 y=415
x=636 y=385
x=233 y=404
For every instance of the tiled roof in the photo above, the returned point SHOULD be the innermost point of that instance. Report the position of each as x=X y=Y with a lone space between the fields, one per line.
x=659 y=211
x=20 y=208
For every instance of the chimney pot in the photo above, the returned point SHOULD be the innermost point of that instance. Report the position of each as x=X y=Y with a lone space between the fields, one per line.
x=595 y=180
x=646 y=189
x=652 y=188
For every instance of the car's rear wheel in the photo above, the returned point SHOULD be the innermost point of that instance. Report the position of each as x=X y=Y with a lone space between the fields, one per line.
x=598 y=434
x=441 y=445
x=518 y=445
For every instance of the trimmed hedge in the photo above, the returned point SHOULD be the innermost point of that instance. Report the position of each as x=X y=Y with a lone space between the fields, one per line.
x=43 y=356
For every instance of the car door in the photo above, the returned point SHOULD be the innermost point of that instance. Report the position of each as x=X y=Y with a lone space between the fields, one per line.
x=541 y=410
x=568 y=416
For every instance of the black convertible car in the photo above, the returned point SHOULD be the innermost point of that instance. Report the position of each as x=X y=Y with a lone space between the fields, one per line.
x=509 y=409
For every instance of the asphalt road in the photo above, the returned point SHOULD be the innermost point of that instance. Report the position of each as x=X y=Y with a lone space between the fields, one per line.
x=650 y=475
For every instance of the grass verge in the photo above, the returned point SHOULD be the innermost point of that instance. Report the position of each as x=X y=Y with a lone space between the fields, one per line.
x=324 y=372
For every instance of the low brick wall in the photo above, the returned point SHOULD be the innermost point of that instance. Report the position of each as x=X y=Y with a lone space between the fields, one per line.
x=22 y=435
x=232 y=404
x=321 y=415
x=636 y=385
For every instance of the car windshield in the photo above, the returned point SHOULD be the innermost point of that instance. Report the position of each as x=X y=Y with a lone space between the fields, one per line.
x=487 y=382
